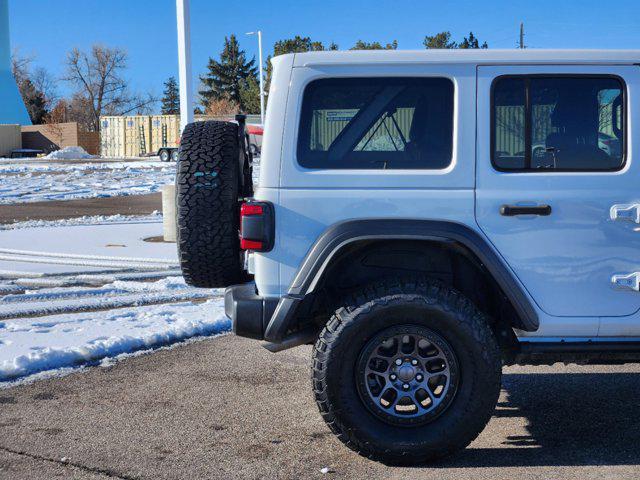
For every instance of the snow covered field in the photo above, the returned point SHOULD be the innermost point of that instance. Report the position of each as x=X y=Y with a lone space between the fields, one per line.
x=74 y=292
x=34 y=180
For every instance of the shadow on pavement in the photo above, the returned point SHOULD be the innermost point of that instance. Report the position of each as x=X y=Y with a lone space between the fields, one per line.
x=572 y=419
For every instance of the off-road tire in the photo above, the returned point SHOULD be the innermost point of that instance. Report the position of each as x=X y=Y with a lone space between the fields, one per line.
x=428 y=304
x=207 y=205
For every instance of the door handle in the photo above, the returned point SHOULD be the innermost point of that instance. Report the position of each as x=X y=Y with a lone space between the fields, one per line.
x=512 y=210
x=629 y=281
x=628 y=212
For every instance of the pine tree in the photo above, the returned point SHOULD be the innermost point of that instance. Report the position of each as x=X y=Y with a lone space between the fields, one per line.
x=224 y=78
x=361 y=45
x=250 y=95
x=443 y=40
x=439 y=40
x=472 y=42
x=34 y=101
x=296 y=44
x=299 y=44
x=170 y=97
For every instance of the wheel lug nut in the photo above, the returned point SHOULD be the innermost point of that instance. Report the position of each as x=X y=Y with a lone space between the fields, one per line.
x=405 y=386
x=414 y=362
x=419 y=377
x=393 y=376
x=398 y=361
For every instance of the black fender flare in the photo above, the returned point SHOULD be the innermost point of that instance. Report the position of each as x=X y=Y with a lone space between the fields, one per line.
x=337 y=236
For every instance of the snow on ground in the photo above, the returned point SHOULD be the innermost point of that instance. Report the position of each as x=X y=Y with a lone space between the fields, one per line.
x=77 y=291
x=23 y=181
x=34 y=181
x=85 y=248
x=36 y=344
x=39 y=166
x=69 y=153
x=72 y=294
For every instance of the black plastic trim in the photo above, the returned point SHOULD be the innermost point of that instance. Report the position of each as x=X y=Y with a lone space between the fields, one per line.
x=341 y=234
x=579 y=347
x=594 y=353
x=512 y=210
x=249 y=312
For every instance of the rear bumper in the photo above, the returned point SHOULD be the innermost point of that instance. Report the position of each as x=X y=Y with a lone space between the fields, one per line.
x=249 y=312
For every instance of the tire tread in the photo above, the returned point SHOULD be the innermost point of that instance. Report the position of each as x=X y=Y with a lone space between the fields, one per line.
x=383 y=294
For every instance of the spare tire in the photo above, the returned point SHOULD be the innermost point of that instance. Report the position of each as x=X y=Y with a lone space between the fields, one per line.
x=208 y=184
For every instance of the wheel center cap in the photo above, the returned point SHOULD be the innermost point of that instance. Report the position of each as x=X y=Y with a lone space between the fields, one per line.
x=406 y=373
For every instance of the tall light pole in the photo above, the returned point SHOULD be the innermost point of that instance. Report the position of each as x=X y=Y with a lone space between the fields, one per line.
x=259 y=33
x=184 y=63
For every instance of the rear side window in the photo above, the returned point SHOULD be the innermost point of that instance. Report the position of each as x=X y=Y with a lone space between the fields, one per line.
x=558 y=123
x=376 y=123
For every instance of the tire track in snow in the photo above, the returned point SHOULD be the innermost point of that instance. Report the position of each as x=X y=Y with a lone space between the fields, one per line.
x=39 y=309
x=85 y=263
x=96 y=279
x=73 y=256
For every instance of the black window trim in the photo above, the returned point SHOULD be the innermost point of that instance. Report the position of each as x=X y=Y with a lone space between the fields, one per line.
x=527 y=154
x=301 y=109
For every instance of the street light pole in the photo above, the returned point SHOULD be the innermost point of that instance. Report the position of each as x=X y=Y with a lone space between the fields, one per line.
x=259 y=33
x=184 y=63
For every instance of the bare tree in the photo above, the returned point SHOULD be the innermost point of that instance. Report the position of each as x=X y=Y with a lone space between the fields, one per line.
x=37 y=86
x=221 y=107
x=58 y=115
x=101 y=88
x=33 y=97
x=46 y=83
x=20 y=66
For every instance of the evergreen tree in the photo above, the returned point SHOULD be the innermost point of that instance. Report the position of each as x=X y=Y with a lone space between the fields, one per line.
x=360 y=45
x=34 y=101
x=170 y=97
x=443 y=40
x=472 y=42
x=250 y=95
x=296 y=44
x=224 y=78
x=439 y=40
x=299 y=44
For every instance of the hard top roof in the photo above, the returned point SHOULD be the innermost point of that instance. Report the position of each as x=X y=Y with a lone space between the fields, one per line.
x=472 y=56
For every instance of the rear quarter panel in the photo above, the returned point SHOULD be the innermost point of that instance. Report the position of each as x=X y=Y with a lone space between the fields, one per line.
x=309 y=201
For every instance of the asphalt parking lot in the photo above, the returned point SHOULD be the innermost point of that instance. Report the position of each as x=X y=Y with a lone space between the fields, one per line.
x=226 y=408
x=63 y=209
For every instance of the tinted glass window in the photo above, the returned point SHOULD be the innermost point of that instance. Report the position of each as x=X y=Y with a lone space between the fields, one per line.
x=377 y=123
x=563 y=123
x=509 y=128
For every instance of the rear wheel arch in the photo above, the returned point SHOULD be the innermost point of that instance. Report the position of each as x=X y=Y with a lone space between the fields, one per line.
x=340 y=244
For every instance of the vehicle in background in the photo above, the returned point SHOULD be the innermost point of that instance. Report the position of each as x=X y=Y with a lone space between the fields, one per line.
x=167 y=154
x=255 y=131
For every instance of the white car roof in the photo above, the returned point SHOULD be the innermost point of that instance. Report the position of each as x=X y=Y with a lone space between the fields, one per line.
x=473 y=56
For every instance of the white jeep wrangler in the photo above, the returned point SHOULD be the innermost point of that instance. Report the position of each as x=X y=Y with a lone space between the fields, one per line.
x=424 y=218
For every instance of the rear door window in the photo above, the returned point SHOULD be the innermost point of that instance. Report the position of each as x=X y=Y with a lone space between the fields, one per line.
x=376 y=123
x=558 y=123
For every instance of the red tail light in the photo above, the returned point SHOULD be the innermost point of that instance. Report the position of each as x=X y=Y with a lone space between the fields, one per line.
x=256 y=226
x=250 y=209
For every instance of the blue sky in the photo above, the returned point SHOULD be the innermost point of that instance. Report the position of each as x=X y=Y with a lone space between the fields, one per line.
x=147 y=29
